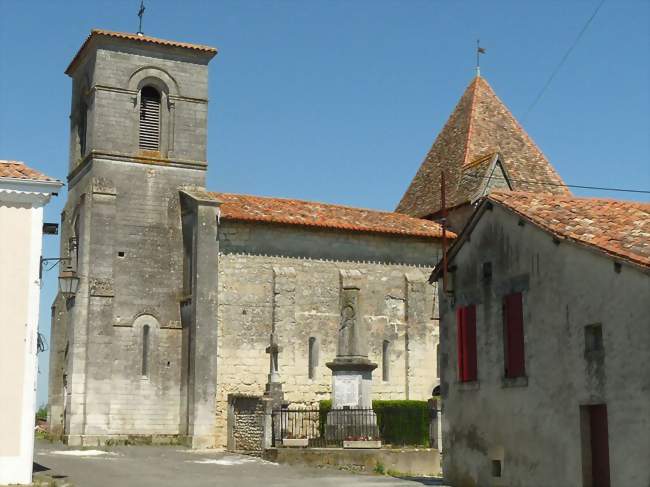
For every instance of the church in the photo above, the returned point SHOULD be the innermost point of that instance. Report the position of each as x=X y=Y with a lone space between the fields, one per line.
x=184 y=293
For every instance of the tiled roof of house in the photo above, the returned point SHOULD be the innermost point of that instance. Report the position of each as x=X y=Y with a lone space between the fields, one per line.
x=312 y=214
x=139 y=38
x=617 y=228
x=18 y=170
x=479 y=126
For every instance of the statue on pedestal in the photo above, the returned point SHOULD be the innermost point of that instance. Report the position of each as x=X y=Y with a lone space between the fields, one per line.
x=351 y=375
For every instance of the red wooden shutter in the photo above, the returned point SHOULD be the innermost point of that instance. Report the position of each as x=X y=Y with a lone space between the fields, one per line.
x=460 y=344
x=514 y=317
x=471 y=369
x=466 y=342
x=599 y=445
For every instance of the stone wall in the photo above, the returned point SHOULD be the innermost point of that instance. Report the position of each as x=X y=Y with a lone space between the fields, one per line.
x=129 y=259
x=246 y=415
x=301 y=296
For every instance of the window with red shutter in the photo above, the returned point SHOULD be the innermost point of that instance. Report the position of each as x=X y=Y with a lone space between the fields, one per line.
x=514 y=335
x=466 y=342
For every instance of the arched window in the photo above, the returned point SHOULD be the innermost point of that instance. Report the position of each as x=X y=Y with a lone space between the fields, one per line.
x=145 y=350
x=385 y=360
x=82 y=127
x=149 y=119
x=313 y=357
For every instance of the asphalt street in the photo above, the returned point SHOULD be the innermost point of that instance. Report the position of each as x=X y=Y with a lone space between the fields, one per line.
x=158 y=466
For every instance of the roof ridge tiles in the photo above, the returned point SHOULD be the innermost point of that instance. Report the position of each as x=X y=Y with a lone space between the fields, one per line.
x=288 y=211
x=300 y=200
x=472 y=106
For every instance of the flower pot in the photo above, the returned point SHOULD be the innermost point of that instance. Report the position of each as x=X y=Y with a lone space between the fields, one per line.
x=295 y=442
x=362 y=444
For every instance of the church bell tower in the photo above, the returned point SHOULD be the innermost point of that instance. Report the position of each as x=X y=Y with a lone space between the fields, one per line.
x=138 y=130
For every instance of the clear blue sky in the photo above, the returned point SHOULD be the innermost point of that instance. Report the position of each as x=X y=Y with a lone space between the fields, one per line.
x=339 y=100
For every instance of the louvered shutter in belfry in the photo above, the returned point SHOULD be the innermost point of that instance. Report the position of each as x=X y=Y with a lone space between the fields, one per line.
x=149 y=119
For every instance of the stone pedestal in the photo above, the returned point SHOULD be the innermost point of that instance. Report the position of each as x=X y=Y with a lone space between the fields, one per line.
x=351 y=415
x=351 y=383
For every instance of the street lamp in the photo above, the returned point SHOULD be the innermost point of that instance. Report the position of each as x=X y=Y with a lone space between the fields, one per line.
x=68 y=279
x=68 y=283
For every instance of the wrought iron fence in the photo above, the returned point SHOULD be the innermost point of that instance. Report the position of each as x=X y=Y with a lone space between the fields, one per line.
x=322 y=428
x=392 y=424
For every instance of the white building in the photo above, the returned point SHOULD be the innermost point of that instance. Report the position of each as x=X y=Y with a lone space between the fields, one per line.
x=23 y=193
x=545 y=344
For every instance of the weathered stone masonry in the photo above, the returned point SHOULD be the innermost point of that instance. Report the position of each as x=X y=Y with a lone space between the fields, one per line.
x=300 y=293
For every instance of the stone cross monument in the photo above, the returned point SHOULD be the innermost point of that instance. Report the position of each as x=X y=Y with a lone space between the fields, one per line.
x=351 y=370
x=274 y=384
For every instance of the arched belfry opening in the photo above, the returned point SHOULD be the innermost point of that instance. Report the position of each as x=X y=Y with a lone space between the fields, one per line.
x=149 y=119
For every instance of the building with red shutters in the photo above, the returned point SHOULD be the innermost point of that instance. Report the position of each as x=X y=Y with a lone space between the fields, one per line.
x=544 y=343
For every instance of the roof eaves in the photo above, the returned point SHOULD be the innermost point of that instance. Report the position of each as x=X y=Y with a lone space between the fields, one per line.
x=631 y=259
x=96 y=33
x=351 y=228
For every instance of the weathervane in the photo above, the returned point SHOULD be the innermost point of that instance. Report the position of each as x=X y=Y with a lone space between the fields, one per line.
x=141 y=14
x=479 y=50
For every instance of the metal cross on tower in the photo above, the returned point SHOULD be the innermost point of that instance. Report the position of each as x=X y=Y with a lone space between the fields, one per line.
x=479 y=50
x=141 y=14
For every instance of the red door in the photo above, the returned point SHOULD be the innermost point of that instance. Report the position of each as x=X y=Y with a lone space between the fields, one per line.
x=599 y=445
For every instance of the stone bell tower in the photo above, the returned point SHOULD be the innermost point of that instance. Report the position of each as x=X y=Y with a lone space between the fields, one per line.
x=120 y=354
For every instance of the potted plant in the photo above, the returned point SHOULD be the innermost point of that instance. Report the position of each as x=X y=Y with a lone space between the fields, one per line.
x=361 y=441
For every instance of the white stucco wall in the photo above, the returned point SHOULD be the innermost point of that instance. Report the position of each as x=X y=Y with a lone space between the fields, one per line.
x=534 y=428
x=21 y=221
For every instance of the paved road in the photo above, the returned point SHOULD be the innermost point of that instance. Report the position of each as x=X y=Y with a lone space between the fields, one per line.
x=153 y=466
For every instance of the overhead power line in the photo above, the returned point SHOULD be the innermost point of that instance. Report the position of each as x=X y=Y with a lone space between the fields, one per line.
x=578 y=186
x=563 y=60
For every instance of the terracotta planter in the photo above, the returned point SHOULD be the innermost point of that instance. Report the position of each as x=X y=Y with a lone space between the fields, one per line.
x=362 y=444
x=295 y=442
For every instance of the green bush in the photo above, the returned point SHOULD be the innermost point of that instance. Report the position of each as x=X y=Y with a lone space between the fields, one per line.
x=403 y=422
x=41 y=413
x=400 y=422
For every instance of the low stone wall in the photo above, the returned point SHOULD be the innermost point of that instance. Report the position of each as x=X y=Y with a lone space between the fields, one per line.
x=246 y=424
x=416 y=461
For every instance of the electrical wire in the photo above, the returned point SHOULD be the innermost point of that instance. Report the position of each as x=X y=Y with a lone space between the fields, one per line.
x=563 y=60
x=537 y=183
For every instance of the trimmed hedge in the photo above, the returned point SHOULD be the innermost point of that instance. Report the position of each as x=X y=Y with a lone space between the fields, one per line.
x=400 y=422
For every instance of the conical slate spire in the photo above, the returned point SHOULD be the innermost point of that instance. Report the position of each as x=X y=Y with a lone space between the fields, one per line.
x=480 y=126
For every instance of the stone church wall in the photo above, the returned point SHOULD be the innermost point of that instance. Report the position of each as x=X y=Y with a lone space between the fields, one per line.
x=130 y=265
x=299 y=292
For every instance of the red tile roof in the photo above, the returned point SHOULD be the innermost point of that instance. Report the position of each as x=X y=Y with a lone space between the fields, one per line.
x=617 y=228
x=307 y=213
x=18 y=170
x=139 y=38
x=480 y=125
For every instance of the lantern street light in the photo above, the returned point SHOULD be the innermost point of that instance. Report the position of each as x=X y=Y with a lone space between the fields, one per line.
x=68 y=279
x=68 y=283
